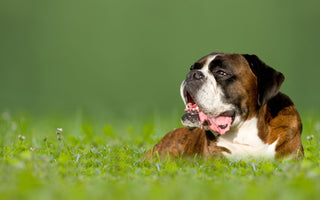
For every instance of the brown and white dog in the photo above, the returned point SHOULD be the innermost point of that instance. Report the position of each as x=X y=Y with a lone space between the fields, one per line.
x=234 y=109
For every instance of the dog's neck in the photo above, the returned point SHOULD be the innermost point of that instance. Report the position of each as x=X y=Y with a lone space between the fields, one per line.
x=244 y=139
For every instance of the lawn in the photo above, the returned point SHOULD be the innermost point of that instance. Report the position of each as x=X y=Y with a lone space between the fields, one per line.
x=102 y=158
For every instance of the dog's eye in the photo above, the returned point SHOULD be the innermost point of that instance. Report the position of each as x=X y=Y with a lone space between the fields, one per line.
x=222 y=73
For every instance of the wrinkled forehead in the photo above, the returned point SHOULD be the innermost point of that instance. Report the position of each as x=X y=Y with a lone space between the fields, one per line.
x=237 y=61
x=207 y=59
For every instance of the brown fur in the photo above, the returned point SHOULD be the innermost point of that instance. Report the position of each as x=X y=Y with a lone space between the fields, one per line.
x=187 y=142
x=278 y=118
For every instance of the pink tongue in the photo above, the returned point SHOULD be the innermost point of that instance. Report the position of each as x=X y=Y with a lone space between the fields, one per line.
x=220 y=124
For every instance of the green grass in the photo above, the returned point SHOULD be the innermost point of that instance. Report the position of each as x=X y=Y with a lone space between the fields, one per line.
x=104 y=160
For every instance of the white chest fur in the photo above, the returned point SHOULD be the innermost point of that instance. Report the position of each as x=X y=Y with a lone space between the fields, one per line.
x=245 y=142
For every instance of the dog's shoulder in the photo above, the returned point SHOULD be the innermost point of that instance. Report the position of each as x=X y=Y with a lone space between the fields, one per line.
x=281 y=104
x=281 y=122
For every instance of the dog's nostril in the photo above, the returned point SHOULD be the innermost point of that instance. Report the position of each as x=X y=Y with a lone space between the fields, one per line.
x=198 y=75
x=195 y=75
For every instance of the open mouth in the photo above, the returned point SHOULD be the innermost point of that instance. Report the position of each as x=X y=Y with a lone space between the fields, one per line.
x=220 y=123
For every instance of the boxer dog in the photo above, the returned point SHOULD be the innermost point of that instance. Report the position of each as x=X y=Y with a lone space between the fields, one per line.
x=234 y=109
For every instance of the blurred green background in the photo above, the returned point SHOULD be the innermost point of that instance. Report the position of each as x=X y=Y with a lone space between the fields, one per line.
x=104 y=56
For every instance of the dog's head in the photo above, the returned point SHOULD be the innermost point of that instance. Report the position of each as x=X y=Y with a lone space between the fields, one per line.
x=223 y=90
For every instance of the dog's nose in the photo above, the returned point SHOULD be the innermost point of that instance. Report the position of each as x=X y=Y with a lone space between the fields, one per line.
x=195 y=75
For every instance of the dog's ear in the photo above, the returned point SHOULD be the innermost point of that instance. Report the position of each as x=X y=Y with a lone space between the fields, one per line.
x=269 y=80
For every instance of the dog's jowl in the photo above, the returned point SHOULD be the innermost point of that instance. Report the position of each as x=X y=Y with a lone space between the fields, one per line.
x=234 y=109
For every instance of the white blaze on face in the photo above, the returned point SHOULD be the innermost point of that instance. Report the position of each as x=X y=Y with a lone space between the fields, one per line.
x=209 y=96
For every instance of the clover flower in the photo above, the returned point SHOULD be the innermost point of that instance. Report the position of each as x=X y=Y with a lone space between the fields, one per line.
x=310 y=137
x=59 y=131
x=21 y=137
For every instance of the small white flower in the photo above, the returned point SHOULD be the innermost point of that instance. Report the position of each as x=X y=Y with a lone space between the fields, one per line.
x=59 y=130
x=21 y=137
x=32 y=149
x=310 y=137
